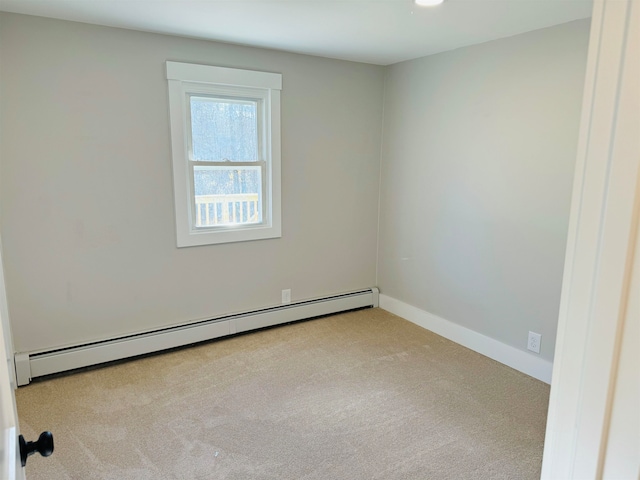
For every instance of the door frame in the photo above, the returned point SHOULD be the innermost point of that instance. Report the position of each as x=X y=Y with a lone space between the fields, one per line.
x=600 y=249
x=6 y=326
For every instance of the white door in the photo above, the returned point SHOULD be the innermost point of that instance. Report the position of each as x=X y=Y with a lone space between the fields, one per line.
x=10 y=464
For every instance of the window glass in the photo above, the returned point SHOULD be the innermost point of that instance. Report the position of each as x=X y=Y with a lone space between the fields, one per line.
x=224 y=129
x=227 y=195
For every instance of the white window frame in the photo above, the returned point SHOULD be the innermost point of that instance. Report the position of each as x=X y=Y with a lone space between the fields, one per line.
x=187 y=79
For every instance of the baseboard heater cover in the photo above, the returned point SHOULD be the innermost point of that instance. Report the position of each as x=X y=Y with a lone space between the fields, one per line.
x=38 y=364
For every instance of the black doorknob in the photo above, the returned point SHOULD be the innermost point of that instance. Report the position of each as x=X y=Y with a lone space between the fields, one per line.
x=44 y=446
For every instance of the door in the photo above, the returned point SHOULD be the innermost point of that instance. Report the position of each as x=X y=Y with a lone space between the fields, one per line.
x=10 y=464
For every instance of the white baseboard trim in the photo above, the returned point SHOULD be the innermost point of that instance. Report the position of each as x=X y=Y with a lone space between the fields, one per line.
x=36 y=364
x=489 y=347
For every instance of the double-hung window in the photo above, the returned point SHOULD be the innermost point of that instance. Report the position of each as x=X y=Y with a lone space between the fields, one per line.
x=225 y=135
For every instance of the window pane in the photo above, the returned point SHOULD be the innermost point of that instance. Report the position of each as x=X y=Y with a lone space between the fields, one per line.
x=223 y=129
x=227 y=195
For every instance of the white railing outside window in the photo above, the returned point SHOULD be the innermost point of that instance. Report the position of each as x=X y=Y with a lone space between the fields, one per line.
x=211 y=210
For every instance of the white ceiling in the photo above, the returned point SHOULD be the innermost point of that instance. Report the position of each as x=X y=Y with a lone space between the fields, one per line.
x=372 y=31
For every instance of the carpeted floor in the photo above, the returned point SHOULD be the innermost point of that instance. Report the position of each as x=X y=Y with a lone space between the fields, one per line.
x=361 y=395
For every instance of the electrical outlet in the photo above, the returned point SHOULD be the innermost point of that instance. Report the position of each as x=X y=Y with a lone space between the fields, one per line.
x=286 y=296
x=534 y=342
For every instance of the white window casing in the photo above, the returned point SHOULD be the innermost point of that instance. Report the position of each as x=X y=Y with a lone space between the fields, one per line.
x=263 y=88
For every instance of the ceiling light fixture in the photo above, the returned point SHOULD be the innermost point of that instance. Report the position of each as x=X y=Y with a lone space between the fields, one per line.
x=428 y=3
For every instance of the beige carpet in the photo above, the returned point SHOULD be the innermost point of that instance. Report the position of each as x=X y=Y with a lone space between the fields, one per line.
x=362 y=395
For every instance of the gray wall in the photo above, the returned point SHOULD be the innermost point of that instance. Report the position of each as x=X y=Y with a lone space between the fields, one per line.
x=86 y=190
x=477 y=164
x=478 y=154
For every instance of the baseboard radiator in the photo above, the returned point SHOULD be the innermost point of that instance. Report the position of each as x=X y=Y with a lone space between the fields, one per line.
x=38 y=364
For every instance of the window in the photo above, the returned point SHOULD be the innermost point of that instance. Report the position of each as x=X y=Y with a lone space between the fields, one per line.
x=225 y=135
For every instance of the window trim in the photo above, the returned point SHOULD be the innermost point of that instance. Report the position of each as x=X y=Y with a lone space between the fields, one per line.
x=186 y=79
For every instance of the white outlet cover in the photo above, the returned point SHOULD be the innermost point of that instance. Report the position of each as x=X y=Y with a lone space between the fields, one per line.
x=286 y=296
x=534 y=341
